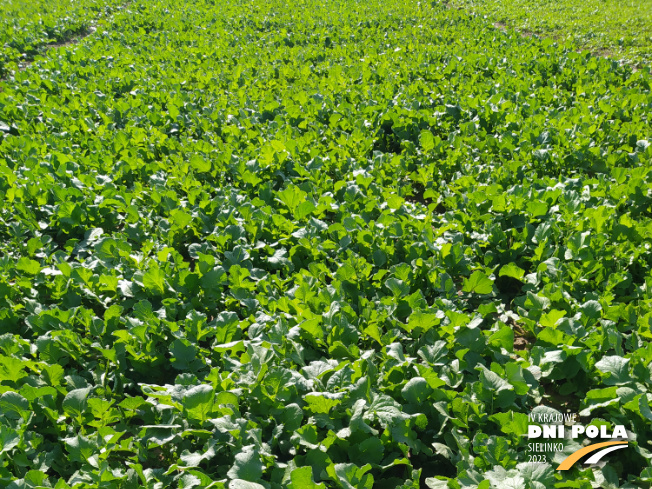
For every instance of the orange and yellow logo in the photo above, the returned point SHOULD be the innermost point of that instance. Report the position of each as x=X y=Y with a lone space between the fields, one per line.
x=604 y=448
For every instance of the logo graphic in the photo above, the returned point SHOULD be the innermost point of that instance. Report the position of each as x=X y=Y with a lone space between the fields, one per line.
x=553 y=430
x=607 y=447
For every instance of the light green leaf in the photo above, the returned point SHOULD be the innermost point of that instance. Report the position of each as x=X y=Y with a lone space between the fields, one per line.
x=198 y=402
x=180 y=218
x=427 y=141
x=511 y=423
x=30 y=267
x=423 y=321
x=301 y=478
x=478 y=283
x=291 y=196
x=549 y=319
x=512 y=270
x=395 y=202
x=320 y=403
x=304 y=209
x=154 y=280
x=199 y=163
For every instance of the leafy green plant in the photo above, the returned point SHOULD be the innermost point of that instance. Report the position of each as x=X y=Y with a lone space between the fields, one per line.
x=337 y=244
x=606 y=27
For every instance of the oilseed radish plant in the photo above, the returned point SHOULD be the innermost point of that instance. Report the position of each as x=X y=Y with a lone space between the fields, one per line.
x=26 y=28
x=622 y=29
x=319 y=244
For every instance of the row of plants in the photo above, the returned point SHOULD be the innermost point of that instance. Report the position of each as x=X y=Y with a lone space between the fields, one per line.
x=28 y=28
x=620 y=30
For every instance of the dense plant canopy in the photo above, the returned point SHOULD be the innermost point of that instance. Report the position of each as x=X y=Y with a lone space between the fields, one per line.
x=26 y=28
x=619 y=28
x=326 y=244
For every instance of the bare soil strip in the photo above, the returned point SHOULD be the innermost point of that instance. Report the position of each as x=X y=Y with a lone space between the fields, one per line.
x=72 y=40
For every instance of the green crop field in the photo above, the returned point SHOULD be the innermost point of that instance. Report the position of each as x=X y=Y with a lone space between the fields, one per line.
x=319 y=244
x=26 y=27
x=621 y=29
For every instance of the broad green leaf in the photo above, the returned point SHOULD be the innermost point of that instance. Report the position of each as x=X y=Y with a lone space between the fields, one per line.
x=82 y=449
x=505 y=479
x=198 y=402
x=478 y=283
x=427 y=141
x=395 y=202
x=398 y=287
x=199 y=163
x=511 y=423
x=549 y=319
x=154 y=280
x=351 y=476
x=304 y=209
x=319 y=403
x=421 y=320
x=291 y=196
x=8 y=439
x=74 y=404
x=247 y=465
x=13 y=405
x=616 y=369
x=180 y=218
x=512 y=270
x=416 y=390
x=301 y=478
x=30 y=267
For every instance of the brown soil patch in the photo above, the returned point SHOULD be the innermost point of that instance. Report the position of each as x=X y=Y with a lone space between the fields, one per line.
x=523 y=340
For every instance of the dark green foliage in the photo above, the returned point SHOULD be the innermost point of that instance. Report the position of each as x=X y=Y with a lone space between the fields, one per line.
x=336 y=244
